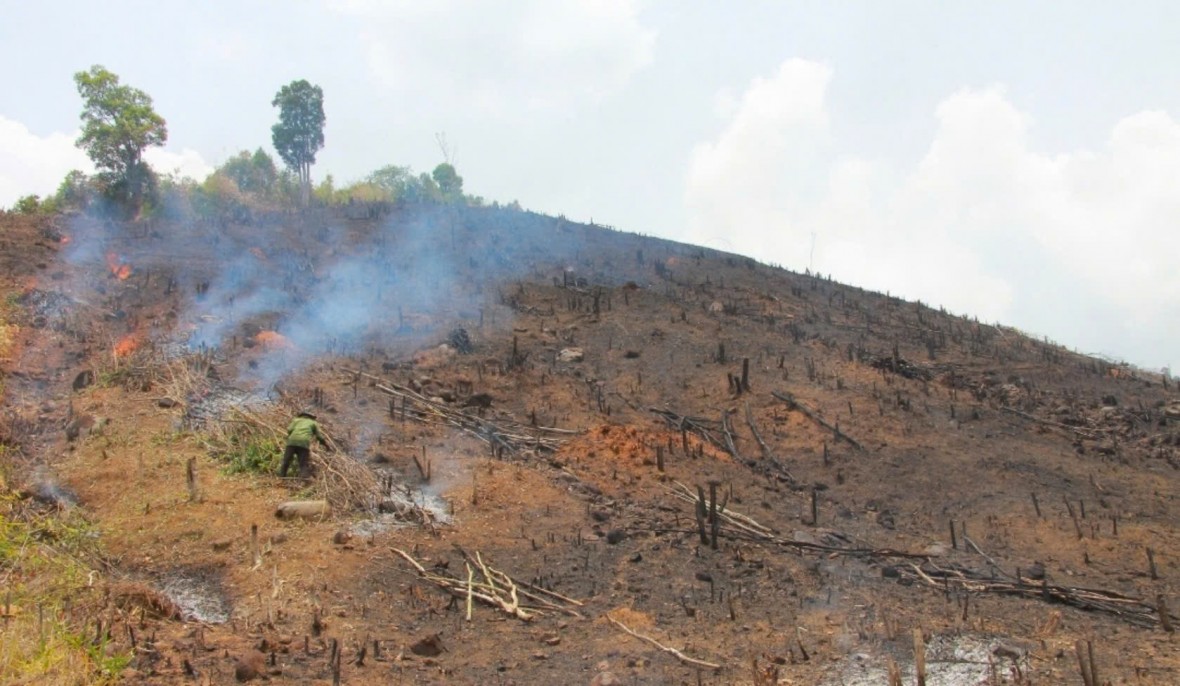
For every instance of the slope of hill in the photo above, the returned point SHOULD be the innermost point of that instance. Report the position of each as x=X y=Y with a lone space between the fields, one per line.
x=596 y=456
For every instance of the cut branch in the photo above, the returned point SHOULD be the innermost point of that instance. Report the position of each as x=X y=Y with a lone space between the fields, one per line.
x=497 y=589
x=505 y=436
x=727 y=429
x=1130 y=609
x=767 y=454
x=811 y=414
x=705 y=429
x=757 y=436
x=671 y=651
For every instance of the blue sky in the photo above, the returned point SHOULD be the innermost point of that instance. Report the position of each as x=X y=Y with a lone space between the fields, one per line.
x=1018 y=161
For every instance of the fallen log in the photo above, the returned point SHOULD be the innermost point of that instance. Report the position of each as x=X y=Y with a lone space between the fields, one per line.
x=303 y=509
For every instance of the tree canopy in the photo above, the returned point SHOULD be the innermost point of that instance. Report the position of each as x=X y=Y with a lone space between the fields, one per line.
x=300 y=132
x=118 y=124
x=75 y=192
x=253 y=173
x=450 y=184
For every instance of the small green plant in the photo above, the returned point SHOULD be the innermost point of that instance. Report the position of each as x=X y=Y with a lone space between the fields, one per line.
x=251 y=454
x=107 y=664
x=111 y=376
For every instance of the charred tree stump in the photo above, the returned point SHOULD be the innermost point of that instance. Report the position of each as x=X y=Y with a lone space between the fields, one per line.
x=714 y=520
x=190 y=477
x=701 y=513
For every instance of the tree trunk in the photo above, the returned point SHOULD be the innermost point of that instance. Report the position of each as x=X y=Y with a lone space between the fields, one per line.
x=305 y=184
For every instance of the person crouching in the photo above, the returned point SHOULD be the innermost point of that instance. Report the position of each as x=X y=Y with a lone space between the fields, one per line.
x=299 y=434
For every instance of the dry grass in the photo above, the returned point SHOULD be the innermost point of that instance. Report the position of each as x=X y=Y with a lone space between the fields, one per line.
x=7 y=334
x=49 y=600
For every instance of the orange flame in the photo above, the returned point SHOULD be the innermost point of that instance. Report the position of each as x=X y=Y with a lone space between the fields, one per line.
x=65 y=240
x=127 y=345
x=272 y=340
x=117 y=267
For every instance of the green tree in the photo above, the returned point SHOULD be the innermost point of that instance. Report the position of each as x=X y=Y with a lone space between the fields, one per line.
x=420 y=189
x=118 y=124
x=74 y=193
x=450 y=184
x=288 y=189
x=265 y=171
x=29 y=204
x=363 y=191
x=392 y=179
x=300 y=131
x=218 y=197
x=325 y=193
x=253 y=173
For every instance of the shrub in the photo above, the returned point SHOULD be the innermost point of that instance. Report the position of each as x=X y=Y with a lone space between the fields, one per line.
x=248 y=453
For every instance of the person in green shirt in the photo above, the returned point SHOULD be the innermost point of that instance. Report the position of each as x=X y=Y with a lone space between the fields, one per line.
x=300 y=431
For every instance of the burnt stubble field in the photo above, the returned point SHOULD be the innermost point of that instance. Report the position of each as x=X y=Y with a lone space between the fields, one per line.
x=569 y=455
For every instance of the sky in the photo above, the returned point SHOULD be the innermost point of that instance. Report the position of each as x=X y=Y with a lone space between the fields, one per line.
x=1014 y=161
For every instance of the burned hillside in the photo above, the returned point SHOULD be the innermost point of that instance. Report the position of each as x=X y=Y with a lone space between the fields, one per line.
x=560 y=453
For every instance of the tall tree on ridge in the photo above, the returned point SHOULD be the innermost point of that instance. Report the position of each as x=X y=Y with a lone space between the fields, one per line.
x=299 y=135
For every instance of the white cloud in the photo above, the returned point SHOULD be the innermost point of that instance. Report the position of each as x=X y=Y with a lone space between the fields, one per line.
x=504 y=57
x=187 y=162
x=741 y=184
x=36 y=164
x=33 y=164
x=1080 y=246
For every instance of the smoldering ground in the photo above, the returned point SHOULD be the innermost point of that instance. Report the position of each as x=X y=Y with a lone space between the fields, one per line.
x=322 y=283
